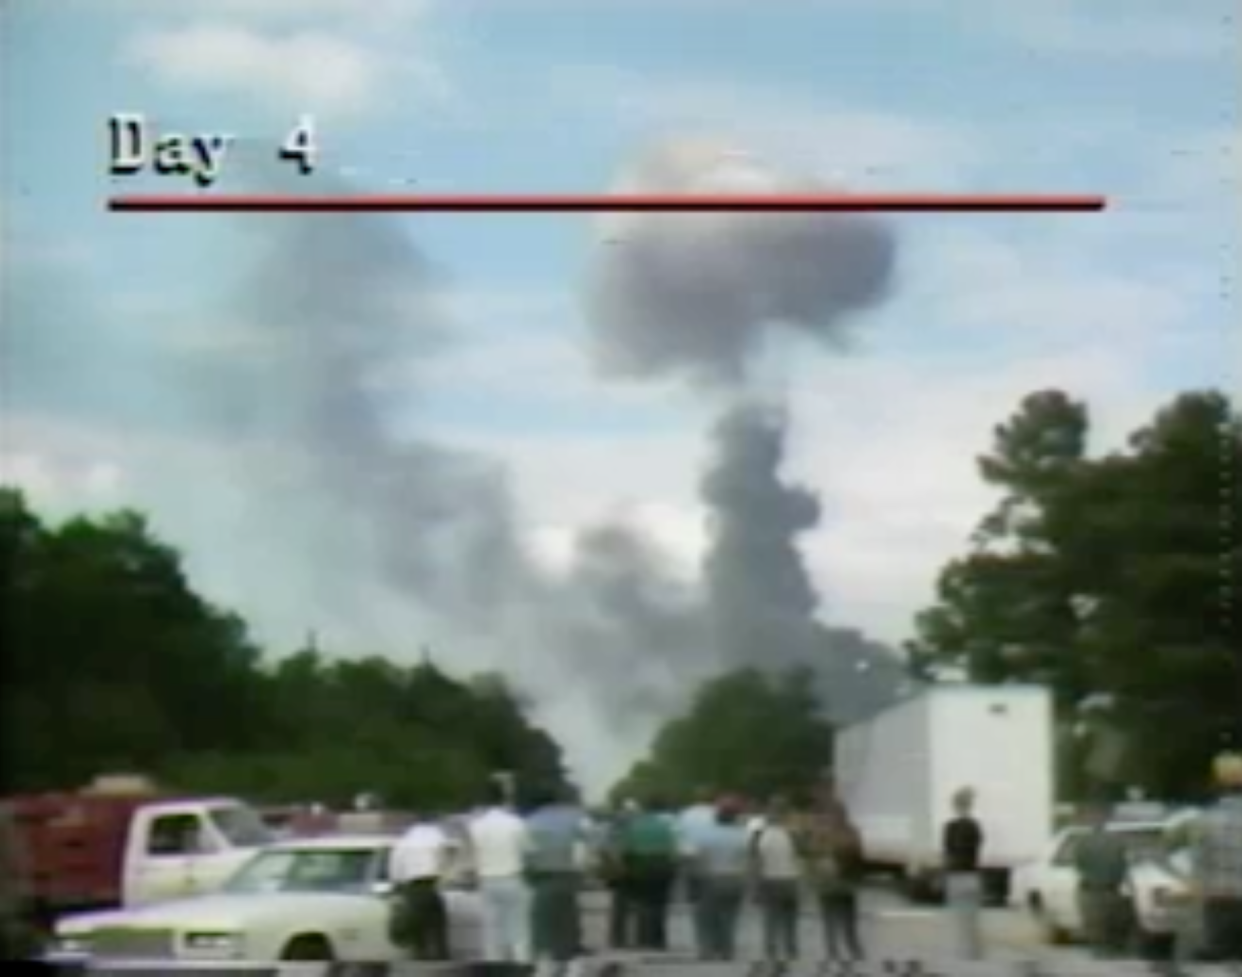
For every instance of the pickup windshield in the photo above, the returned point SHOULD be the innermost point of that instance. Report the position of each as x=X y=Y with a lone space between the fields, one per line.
x=308 y=870
x=242 y=826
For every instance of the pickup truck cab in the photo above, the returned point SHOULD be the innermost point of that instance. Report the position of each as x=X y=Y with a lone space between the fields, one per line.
x=91 y=851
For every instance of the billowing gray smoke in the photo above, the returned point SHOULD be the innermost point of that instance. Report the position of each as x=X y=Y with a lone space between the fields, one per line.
x=696 y=295
x=759 y=593
x=700 y=297
x=397 y=519
x=398 y=539
x=383 y=539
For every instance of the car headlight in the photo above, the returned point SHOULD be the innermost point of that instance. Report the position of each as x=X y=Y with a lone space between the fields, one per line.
x=213 y=945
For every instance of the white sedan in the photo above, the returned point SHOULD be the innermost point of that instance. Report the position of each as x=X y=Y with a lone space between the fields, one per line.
x=1157 y=886
x=311 y=899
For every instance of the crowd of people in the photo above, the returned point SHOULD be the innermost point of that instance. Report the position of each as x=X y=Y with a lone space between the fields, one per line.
x=722 y=854
x=718 y=853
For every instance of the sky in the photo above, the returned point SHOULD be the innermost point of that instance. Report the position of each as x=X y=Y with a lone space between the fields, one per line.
x=121 y=335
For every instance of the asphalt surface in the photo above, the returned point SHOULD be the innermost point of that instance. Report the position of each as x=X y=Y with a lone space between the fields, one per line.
x=891 y=929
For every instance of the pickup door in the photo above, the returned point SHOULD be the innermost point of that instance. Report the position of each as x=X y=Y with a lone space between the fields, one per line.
x=163 y=846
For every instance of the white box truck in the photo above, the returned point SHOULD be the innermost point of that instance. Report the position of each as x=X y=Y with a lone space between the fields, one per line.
x=898 y=771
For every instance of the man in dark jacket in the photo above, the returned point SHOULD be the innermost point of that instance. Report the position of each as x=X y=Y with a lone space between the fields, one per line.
x=962 y=849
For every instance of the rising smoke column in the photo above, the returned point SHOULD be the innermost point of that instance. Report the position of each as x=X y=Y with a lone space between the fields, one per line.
x=406 y=539
x=696 y=296
x=699 y=298
x=761 y=599
x=401 y=539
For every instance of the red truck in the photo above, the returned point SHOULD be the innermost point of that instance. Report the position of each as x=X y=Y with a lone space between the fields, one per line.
x=97 y=849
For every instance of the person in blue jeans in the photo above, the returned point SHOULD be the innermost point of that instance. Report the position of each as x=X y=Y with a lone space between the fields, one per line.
x=558 y=838
x=720 y=860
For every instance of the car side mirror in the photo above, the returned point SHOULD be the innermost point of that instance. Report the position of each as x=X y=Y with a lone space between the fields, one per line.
x=383 y=889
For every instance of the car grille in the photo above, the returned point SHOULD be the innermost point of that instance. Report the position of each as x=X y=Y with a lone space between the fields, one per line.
x=133 y=944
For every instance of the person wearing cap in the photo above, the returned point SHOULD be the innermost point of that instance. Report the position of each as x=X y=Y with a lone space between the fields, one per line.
x=720 y=859
x=1216 y=857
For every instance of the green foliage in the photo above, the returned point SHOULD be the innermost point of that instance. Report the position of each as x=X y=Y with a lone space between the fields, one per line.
x=1117 y=575
x=114 y=663
x=747 y=731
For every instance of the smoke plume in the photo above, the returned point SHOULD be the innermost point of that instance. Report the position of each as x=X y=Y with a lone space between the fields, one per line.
x=406 y=521
x=695 y=296
x=383 y=537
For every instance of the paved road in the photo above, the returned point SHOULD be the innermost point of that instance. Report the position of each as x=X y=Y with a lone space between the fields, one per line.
x=891 y=930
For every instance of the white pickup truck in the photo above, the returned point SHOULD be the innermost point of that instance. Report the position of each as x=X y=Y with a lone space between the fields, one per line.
x=90 y=850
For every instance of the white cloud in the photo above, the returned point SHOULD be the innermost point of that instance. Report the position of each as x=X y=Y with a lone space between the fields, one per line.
x=812 y=135
x=373 y=12
x=330 y=58
x=303 y=71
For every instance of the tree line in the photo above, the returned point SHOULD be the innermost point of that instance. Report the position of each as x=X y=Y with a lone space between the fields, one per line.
x=114 y=663
x=1115 y=579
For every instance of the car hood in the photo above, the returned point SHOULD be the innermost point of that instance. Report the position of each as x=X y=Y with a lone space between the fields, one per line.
x=222 y=912
x=1153 y=873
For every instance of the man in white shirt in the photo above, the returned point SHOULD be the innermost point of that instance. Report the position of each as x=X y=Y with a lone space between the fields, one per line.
x=778 y=870
x=499 y=842
x=420 y=861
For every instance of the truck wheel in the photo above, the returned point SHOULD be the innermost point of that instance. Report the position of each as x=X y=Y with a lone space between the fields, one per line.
x=308 y=948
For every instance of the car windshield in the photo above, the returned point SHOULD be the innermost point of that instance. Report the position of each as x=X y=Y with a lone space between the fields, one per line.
x=308 y=870
x=242 y=826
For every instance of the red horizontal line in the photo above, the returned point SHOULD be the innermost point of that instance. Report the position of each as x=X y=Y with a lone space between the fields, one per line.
x=568 y=203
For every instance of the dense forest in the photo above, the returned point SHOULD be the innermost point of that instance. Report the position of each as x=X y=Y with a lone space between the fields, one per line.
x=114 y=663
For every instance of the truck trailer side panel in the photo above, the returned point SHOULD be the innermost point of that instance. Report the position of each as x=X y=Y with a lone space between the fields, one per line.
x=998 y=742
x=899 y=770
x=883 y=771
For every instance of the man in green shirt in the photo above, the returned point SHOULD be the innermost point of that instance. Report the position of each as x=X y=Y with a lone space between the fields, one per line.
x=649 y=852
x=1103 y=865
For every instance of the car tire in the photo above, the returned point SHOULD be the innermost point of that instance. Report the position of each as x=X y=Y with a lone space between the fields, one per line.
x=1049 y=933
x=308 y=948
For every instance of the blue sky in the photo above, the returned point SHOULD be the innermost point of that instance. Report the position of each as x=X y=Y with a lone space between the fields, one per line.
x=1137 y=99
